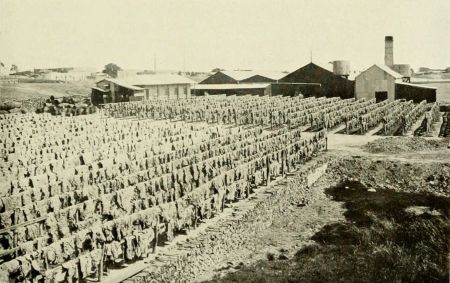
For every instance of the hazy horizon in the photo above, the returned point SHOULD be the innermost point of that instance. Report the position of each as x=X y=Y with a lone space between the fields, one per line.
x=202 y=35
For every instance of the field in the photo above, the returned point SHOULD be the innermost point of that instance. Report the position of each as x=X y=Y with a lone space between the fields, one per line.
x=199 y=194
x=26 y=91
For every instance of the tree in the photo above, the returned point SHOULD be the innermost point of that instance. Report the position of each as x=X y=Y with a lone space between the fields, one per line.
x=111 y=70
x=14 y=68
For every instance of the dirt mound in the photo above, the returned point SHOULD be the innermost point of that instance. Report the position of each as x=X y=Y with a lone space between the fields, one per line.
x=403 y=144
x=402 y=176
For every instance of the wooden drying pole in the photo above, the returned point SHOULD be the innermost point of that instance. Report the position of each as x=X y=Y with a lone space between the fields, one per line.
x=156 y=235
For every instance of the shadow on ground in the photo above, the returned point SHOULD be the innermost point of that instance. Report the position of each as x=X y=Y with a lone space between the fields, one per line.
x=388 y=236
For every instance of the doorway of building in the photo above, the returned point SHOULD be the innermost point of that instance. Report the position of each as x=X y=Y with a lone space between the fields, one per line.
x=381 y=95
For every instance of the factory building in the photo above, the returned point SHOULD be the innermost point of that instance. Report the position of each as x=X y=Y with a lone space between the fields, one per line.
x=313 y=80
x=414 y=92
x=232 y=89
x=238 y=83
x=310 y=80
x=237 y=77
x=141 y=87
x=377 y=82
x=390 y=81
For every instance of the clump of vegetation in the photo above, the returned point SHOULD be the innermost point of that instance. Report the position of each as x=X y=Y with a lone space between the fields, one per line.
x=381 y=241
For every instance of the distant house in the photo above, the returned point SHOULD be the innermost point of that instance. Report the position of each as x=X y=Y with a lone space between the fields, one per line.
x=124 y=74
x=49 y=70
x=381 y=82
x=97 y=76
x=141 y=87
x=66 y=76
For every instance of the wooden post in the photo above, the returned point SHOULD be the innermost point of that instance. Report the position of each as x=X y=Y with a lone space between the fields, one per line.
x=100 y=268
x=285 y=161
x=195 y=216
x=46 y=266
x=15 y=243
x=223 y=202
x=156 y=234
x=248 y=190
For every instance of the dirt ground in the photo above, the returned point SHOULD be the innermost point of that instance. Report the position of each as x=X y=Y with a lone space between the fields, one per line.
x=286 y=233
x=23 y=91
x=31 y=94
x=289 y=232
x=294 y=233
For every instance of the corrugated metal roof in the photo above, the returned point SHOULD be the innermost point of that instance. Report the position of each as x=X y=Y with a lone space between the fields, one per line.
x=230 y=86
x=239 y=75
x=416 y=85
x=157 y=79
x=146 y=80
x=242 y=75
x=389 y=71
x=120 y=82
x=384 y=68
x=99 y=89
x=274 y=75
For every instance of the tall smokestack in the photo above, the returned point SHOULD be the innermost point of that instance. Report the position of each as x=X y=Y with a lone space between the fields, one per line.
x=389 y=51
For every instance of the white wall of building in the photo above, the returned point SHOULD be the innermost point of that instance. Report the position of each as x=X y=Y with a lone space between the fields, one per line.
x=173 y=91
x=372 y=80
x=69 y=76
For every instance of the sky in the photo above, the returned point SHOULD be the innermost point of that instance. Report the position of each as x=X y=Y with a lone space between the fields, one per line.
x=199 y=35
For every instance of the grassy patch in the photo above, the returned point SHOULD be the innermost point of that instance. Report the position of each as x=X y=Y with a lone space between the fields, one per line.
x=379 y=242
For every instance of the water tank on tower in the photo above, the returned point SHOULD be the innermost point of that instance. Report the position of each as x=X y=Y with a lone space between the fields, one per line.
x=341 y=67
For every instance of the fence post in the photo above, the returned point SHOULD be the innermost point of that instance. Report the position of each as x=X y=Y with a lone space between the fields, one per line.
x=156 y=234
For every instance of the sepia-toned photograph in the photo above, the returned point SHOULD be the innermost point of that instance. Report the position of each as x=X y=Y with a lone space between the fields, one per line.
x=224 y=141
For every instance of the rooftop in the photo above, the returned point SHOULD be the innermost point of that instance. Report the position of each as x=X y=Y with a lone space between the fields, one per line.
x=386 y=69
x=242 y=75
x=416 y=85
x=146 y=80
x=230 y=86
